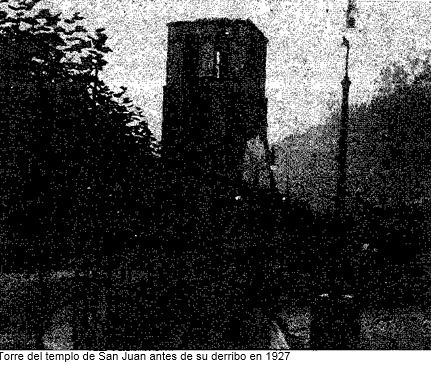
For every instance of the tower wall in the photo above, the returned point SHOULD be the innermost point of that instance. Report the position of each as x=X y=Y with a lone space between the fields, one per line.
x=214 y=99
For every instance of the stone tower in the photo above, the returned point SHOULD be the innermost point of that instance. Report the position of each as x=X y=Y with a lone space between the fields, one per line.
x=214 y=101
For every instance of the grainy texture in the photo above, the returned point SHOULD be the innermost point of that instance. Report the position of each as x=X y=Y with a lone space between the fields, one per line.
x=160 y=216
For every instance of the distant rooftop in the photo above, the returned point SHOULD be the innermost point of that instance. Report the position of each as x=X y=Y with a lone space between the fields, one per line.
x=220 y=22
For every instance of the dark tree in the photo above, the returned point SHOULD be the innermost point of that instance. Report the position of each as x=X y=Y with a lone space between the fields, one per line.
x=72 y=160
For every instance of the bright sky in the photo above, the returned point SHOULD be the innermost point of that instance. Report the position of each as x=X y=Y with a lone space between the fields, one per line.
x=305 y=57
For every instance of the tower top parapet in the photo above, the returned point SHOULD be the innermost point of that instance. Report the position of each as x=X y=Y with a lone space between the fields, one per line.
x=218 y=48
x=200 y=24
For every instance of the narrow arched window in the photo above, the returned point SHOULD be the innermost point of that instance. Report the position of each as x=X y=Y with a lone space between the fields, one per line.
x=191 y=55
x=206 y=67
x=221 y=55
x=217 y=64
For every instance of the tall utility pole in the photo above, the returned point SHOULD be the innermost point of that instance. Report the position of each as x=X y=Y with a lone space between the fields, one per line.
x=342 y=141
x=340 y=200
x=344 y=120
x=335 y=316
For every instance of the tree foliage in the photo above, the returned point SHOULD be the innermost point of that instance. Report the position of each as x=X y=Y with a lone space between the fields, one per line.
x=390 y=136
x=388 y=160
x=78 y=159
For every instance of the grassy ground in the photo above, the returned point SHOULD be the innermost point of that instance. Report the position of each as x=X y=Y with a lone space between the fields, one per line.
x=148 y=304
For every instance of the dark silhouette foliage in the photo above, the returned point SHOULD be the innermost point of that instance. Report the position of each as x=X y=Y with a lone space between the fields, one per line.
x=391 y=135
x=78 y=160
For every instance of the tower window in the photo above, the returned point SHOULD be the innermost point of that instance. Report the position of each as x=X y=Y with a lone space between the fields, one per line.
x=206 y=59
x=220 y=64
x=221 y=51
x=191 y=55
x=217 y=64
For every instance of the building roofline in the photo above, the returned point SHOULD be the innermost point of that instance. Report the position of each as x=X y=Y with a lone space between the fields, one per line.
x=223 y=21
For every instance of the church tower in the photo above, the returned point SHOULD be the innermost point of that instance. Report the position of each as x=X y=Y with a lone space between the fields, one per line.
x=214 y=102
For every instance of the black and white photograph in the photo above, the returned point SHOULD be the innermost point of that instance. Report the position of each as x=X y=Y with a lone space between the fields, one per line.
x=215 y=175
